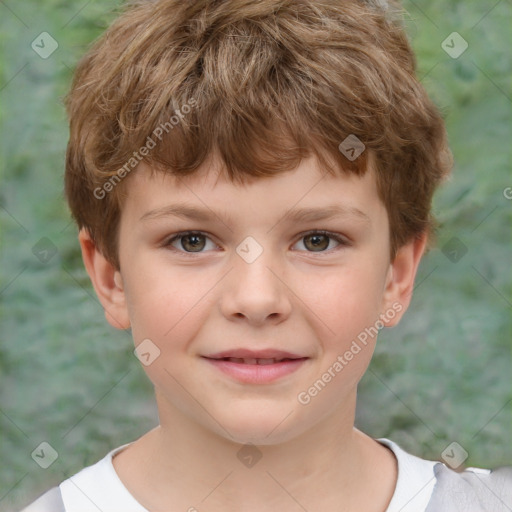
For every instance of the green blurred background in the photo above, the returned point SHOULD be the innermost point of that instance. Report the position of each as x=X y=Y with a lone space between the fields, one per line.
x=69 y=379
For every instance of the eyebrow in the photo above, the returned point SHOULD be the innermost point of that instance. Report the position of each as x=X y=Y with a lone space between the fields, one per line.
x=294 y=215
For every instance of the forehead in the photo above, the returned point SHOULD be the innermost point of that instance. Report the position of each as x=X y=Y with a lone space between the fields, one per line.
x=152 y=193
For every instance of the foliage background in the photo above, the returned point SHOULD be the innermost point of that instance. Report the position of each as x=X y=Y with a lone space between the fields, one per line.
x=69 y=379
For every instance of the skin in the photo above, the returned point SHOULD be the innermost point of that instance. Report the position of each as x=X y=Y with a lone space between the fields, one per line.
x=310 y=300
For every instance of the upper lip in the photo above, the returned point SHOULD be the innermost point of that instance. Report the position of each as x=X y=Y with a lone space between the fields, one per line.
x=243 y=353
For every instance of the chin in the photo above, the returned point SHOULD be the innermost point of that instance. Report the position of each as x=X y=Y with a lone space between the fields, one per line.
x=263 y=427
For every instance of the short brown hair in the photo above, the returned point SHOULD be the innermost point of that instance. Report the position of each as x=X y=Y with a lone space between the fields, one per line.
x=266 y=83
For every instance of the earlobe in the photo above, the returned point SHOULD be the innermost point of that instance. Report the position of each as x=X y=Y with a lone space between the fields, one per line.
x=107 y=282
x=400 y=280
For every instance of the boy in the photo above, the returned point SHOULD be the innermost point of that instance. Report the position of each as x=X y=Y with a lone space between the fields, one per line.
x=252 y=182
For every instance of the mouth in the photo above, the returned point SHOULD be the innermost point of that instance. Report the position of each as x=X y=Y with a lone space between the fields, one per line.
x=256 y=367
x=257 y=361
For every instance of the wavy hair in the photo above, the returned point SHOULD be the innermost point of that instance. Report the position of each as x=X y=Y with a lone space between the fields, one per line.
x=272 y=82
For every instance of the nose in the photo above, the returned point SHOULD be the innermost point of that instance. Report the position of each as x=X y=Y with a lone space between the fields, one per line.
x=256 y=292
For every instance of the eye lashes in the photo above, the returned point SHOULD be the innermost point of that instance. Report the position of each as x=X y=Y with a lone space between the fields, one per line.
x=334 y=236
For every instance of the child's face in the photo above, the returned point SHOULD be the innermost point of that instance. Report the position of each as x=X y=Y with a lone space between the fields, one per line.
x=310 y=297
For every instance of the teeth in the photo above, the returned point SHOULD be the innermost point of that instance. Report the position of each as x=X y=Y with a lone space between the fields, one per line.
x=250 y=360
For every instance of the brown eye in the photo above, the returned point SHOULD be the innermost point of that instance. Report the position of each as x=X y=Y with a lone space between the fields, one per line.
x=189 y=242
x=316 y=242
x=193 y=242
x=322 y=242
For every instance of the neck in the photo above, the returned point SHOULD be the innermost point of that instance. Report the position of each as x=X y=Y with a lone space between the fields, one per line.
x=187 y=465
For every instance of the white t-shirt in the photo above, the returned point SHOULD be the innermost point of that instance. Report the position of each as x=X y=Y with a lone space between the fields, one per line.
x=98 y=487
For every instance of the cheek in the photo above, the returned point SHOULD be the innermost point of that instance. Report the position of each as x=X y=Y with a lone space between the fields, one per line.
x=344 y=302
x=167 y=307
x=166 y=303
x=346 y=312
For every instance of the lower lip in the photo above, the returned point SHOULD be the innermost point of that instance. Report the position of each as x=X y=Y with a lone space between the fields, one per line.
x=257 y=373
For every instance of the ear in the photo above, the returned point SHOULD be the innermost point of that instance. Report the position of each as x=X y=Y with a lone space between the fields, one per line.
x=400 y=280
x=107 y=282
